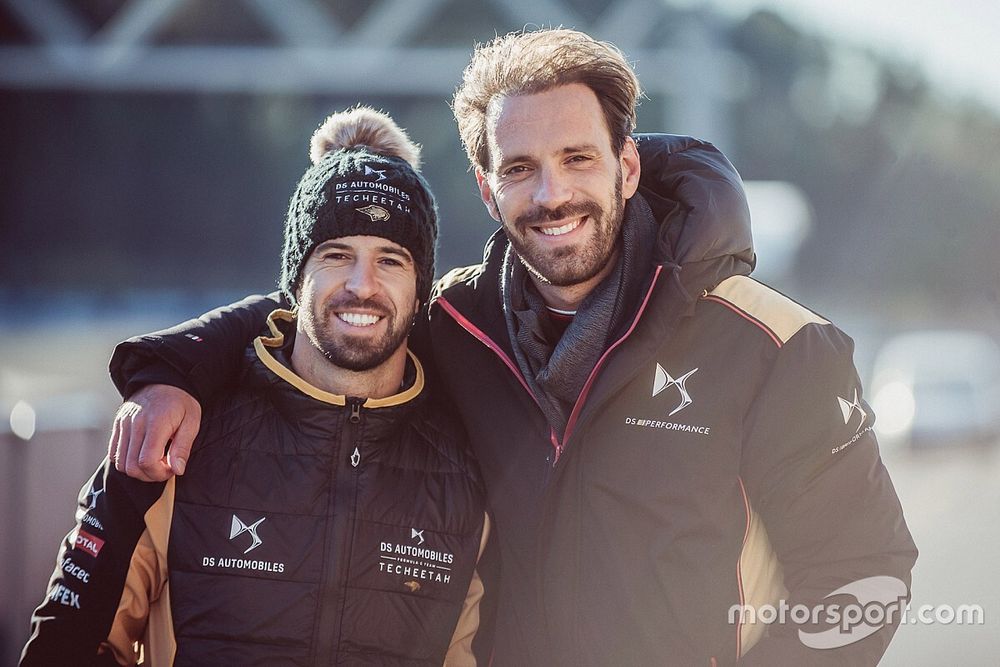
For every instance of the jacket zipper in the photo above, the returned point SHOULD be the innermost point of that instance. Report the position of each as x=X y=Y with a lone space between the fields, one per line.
x=481 y=336
x=340 y=541
x=578 y=406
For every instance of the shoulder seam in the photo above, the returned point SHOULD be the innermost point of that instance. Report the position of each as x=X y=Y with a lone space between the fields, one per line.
x=777 y=315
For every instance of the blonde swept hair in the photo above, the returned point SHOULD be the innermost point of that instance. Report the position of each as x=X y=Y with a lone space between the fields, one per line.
x=527 y=62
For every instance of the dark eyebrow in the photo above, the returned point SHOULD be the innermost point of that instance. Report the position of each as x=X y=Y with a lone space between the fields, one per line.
x=396 y=250
x=582 y=148
x=385 y=249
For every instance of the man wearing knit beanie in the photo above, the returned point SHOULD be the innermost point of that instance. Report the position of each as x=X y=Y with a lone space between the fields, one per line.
x=333 y=514
x=347 y=206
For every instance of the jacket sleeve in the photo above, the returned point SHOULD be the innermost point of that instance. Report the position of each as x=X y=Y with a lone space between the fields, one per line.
x=812 y=472
x=94 y=576
x=460 y=652
x=200 y=356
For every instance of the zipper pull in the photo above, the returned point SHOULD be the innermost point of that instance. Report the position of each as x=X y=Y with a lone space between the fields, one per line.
x=356 y=457
x=355 y=404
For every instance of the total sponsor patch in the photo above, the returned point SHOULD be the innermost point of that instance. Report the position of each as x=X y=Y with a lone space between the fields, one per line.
x=88 y=543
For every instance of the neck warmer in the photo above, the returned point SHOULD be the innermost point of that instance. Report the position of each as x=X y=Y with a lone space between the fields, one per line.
x=556 y=368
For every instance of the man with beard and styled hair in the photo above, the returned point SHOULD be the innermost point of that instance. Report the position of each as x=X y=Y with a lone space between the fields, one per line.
x=667 y=444
x=332 y=514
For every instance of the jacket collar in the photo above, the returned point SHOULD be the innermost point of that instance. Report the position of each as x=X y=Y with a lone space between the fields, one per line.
x=281 y=319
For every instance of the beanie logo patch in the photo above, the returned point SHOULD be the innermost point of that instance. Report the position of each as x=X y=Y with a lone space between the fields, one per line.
x=376 y=213
x=377 y=172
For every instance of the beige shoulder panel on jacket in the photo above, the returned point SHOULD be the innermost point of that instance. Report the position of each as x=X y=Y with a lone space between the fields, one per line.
x=764 y=306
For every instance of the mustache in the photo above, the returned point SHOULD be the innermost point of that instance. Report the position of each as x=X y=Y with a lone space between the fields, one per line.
x=375 y=305
x=569 y=210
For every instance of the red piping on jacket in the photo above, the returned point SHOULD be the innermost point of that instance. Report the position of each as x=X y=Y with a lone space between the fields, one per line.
x=745 y=316
x=481 y=336
x=593 y=374
x=739 y=570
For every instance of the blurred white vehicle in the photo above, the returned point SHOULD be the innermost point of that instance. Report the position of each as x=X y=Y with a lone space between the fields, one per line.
x=937 y=387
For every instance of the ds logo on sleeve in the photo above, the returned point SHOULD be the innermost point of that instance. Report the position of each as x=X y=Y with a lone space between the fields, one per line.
x=93 y=495
x=848 y=408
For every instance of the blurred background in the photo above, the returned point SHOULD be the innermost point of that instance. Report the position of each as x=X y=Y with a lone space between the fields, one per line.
x=148 y=149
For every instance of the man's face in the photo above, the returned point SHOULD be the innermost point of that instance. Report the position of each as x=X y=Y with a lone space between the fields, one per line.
x=556 y=184
x=357 y=300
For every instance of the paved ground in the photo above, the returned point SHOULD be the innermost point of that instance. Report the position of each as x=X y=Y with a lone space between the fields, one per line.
x=951 y=498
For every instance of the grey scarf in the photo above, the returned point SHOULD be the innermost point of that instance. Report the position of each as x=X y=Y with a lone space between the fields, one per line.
x=557 y=368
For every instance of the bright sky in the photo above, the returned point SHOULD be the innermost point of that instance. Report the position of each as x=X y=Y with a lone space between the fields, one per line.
x=956 y=42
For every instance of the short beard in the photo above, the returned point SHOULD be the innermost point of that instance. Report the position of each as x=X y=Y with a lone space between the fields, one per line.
x=572 y=266
x=351 y=353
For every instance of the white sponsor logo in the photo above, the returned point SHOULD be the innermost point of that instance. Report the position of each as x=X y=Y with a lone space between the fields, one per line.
x=242 y=564
x=74 y=570
x=662 y=380
x=848 y=408
x=91 y=520
x=415 y=562
x=668 y=426
x=92 y=497
x=238 y=528
x=378 y=172
x=65 y=596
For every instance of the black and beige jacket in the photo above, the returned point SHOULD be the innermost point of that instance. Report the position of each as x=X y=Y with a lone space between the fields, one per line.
x=720 y=455
x=310 y=529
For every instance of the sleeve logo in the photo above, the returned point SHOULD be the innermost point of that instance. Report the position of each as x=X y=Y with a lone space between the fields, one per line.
x=88 y=543
x=848 y=408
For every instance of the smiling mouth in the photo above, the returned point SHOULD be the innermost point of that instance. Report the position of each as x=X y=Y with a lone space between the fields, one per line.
x=359 y=319
x=562 y=229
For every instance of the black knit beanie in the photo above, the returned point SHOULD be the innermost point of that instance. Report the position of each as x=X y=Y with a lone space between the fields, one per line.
x=364 y=182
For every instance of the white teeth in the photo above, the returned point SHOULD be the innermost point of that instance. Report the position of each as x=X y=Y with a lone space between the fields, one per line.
x=359 y=319
x=559 y=231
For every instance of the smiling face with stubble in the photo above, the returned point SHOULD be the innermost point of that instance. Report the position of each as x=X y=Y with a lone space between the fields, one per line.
x=557 y=186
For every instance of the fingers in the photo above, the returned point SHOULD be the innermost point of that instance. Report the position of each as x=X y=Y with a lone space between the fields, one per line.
x=147 y=451
x=126 y=435
x=145 y=424
x=180 y=447
x=113 y=440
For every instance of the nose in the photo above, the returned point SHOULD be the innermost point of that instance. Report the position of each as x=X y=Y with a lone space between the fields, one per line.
x=362 y=281
x=552 y=189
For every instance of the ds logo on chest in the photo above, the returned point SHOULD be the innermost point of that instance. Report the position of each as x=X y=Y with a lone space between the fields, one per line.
x=662 y=380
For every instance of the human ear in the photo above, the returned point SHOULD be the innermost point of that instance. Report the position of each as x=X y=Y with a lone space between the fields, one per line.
x=631 y=168
x=486 y=194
